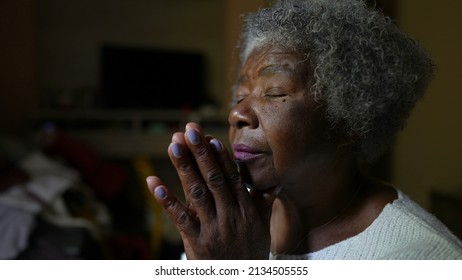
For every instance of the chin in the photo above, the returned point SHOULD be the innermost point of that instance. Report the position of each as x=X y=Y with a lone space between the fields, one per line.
x=261 y=183
x=258 y=178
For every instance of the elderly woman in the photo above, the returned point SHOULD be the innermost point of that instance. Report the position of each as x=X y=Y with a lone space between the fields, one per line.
x=323 y=87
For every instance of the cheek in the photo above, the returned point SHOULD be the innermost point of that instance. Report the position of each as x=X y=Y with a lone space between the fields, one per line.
x=231 y=133
x=286 y=150
x=296 y=137
x=286 y=133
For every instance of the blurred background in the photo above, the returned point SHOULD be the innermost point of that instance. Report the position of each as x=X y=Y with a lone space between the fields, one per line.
x=79 y=132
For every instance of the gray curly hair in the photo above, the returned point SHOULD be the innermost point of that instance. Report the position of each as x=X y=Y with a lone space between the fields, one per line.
x=367 y=73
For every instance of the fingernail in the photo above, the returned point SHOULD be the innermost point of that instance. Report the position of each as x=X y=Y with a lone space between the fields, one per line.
x=176 y=150
x=160 y=192
x=193 y=136
x=216 y=145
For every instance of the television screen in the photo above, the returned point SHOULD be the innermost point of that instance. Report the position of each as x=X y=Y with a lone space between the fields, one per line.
x=137 y=78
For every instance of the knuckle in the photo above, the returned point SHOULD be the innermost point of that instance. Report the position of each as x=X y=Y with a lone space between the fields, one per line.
x=215 y=177
x=185 y=168
x=202 y=153
x=180 y=217
x=235 y=179
x=198 y=192
x=182 y=220
x=172 y=207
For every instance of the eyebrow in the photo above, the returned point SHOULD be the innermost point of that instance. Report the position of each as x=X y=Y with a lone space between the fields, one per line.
x=270 y=70
x=276 y=69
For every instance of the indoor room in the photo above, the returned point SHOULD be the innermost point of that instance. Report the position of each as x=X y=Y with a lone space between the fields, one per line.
x=92 y=90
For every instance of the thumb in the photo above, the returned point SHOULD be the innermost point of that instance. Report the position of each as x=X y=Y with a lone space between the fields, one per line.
x=263 y=201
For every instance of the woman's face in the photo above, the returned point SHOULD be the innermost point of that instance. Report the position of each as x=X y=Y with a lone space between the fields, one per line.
x=277 y=131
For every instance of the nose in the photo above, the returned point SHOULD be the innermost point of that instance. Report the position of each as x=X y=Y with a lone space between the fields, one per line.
x=243 y=115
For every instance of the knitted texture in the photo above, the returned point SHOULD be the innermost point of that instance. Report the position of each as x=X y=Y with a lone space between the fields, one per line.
x=403 y=230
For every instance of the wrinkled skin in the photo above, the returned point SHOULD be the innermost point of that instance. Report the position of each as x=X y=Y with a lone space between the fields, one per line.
x=221 y=219
x=301 y=173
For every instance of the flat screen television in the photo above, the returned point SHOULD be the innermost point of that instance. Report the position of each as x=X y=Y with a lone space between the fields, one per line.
x=140 y=78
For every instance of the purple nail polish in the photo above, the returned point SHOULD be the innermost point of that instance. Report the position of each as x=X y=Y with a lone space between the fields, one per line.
x=176 y=150
x=160 y=192
x=216 y=145
x=193 y=136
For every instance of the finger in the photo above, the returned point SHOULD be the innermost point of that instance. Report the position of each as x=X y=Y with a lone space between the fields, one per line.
x=199 y=197
x=210 y=170
x=236 y=185
x=182 y=150
x=186 y=223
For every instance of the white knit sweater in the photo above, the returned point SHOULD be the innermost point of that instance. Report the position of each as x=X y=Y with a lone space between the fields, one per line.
x=403 y=230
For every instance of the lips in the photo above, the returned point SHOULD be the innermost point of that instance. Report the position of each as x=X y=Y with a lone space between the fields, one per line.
x=243 y=152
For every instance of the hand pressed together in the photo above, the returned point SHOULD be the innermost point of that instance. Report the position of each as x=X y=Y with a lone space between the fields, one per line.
x=220 y=218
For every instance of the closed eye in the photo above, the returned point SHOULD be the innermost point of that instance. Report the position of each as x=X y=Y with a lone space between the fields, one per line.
x=238 y=99
x=275 y=92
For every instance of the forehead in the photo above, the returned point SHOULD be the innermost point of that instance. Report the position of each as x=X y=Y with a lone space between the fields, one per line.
x=265 y=56
x=269 y=60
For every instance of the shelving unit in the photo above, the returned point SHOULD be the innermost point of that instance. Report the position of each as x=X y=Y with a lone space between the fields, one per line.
x=129 y=133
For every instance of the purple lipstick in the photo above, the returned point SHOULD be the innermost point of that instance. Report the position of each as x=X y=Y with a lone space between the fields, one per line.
x=243 y=152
